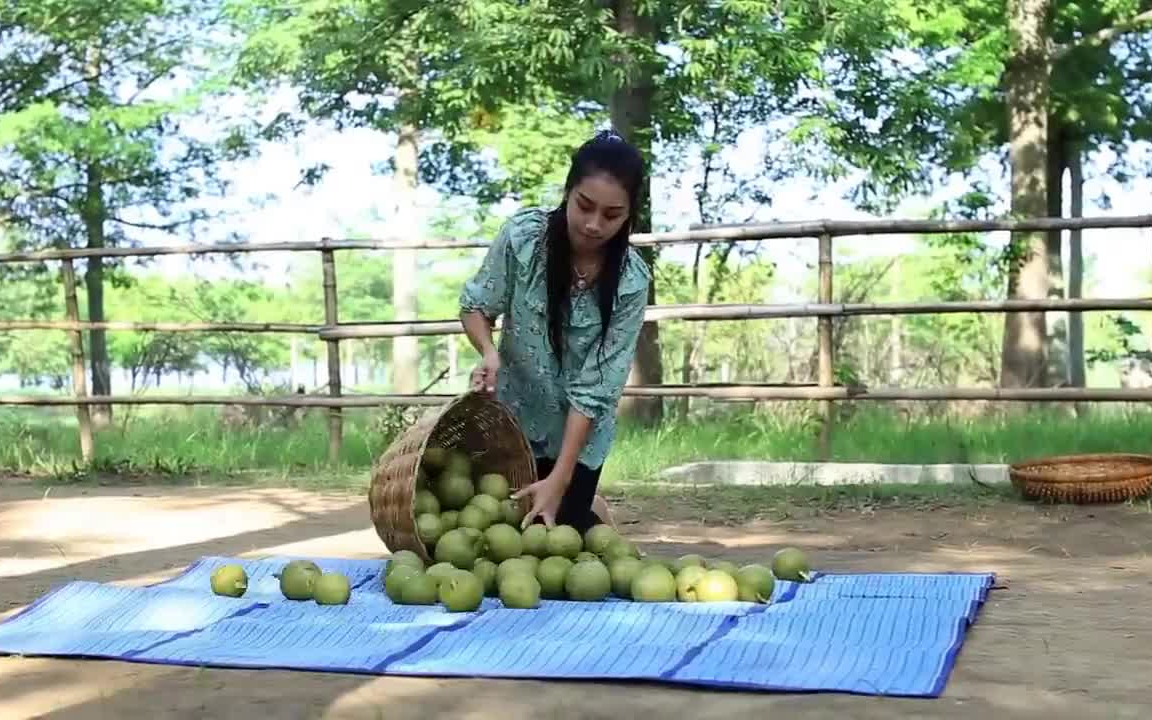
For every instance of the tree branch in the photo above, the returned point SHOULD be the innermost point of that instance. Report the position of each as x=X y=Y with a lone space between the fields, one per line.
x=1106 y=35
x=167 y=227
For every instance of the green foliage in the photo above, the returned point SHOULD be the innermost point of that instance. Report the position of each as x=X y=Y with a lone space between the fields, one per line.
x=98 y=115
x=926 y=97
x=1126 y=341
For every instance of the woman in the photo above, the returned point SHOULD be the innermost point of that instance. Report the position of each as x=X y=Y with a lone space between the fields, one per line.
x=571 y=292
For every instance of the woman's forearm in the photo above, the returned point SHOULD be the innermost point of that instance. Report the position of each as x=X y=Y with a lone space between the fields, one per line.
x=478 y=328
x=577 y=427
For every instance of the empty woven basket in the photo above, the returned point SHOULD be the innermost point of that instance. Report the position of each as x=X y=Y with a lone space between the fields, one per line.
x=476 y=423
x=1084 y=479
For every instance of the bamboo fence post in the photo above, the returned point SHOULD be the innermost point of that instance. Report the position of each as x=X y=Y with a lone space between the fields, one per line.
x=331 y=318
x=824 y=347
x=79 y=381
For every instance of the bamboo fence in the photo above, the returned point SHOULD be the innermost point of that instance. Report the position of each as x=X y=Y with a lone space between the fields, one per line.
x=825 y=391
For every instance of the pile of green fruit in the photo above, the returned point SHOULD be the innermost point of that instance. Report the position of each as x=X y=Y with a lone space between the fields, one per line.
x=299 y=580
x=451 y=494
x=521 y=568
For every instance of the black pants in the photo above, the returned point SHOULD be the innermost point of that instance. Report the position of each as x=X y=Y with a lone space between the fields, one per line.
x=576 y=506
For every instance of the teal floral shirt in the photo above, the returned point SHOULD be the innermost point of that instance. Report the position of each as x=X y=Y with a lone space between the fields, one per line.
x=511 y=285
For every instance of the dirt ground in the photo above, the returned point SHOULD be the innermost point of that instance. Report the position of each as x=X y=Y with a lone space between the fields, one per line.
x=1063 y=636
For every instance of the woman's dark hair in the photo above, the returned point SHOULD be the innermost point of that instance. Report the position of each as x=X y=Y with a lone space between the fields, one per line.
x=608 y=153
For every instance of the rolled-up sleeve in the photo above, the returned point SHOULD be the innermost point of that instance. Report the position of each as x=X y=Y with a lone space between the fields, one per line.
x=597 y=388
x=490 y=289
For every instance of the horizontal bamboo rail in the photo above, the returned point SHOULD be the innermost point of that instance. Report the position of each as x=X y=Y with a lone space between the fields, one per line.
x=655 y=313
x=161 y=326
x=979 y=307
x=305 y=401
x=700 y=313
x=698 y=234
x=847 y=228
x=746 y=393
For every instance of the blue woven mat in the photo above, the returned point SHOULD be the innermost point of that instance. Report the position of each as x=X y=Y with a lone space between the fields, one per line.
x=888 y=634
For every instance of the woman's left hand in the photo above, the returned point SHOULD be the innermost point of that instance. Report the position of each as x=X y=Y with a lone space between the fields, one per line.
x=546 y=495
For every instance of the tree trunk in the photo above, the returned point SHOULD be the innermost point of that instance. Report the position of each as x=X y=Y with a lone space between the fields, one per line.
x=405 y=268
x=631 y=113
x=1027 y=75
x=1076 y=374
x=94 y=216
x=1057 y=340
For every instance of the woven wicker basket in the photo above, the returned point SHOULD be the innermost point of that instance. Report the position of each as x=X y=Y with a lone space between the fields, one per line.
x=1084 y=479
x=474 y=422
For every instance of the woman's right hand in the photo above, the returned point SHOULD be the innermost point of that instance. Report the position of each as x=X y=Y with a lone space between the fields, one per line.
x=484 y=375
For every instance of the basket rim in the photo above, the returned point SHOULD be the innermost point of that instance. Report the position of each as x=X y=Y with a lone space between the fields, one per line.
x=1026 y=470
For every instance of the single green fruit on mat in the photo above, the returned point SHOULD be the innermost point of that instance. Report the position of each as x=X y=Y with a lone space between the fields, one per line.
x=564 y=540
x=441 y=571
x=791 y=564
x=514 y=565
x=394 y=583
x=402 y=558
x=230 y=581
x=485 y=569
x=535 y=539
x=756 y=583
x=654 y=583
x=520 y=591
x=686 y=582
x=331 y=588
x=598 y=538
x=461 y=591
x=588 y=581
x=716 y=586
x=503 y=542
x=623 y=571
x=421 y=589
x=460 y=547
x=297 y=580
x=551 y=574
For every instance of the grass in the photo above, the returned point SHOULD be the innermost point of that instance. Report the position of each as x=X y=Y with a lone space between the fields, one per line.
x=179 y=443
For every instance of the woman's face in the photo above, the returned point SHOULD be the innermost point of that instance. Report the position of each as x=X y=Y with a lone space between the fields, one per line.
x=597 y=207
